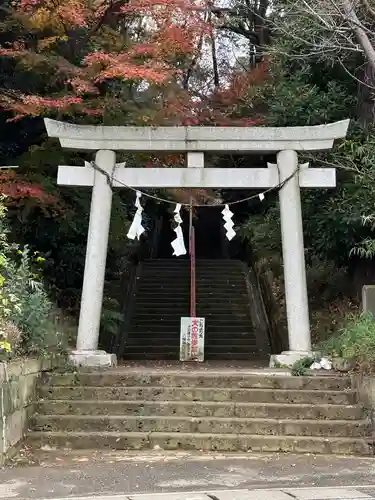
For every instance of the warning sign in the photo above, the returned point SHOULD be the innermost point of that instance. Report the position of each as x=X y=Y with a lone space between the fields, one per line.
x=192 y=339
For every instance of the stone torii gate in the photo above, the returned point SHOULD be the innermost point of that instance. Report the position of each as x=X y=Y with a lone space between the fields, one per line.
x=195 y=141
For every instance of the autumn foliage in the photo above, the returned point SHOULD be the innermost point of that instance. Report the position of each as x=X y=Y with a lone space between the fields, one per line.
x=89 y=49
x=128 y=62
x=21 y=194
x=87 y=44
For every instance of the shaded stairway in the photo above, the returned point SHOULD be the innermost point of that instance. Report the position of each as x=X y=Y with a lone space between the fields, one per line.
x=161 y=295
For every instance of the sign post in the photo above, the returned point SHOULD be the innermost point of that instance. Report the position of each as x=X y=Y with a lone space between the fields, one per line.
x=192 y=339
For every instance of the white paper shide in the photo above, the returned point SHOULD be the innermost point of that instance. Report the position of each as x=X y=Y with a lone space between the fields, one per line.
x=178 y=243
x=136 y=228
x=229 y=224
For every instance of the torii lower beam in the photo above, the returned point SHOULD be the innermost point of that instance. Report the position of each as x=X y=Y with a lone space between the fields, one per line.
x=205 y=178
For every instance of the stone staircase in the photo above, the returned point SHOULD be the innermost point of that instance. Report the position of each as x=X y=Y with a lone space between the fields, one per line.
x=222 y=410
x=162 y=296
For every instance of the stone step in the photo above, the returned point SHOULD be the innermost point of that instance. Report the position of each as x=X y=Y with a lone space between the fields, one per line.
x=224 y=314
x=224 y=295
x=201 y=409
x=179 y=279
x=172 y=329
x=186 y=269
x=239 y=336
x=204 y=442
x=164 y=336
x=170 y=299
x=186 y=262
x=167 y=342
x=217 y=314
x=174 y=348
x=200 y=270
x=172 y=294
x=229 y=315
x=154 y=393
x=240 y=328
x=182 y=307
x=179 y=282
x=206 y=425
x=205 y=285
x=182 y=261
x=145 y=339
x=148 y=355
x=166 y=300
x=173 y=355
x=183 y=292
x=214 y=378
x=156 y=324
x=178 y=276
x=179 y=295
x=202 y=282
x=227 y=320
x=169 y=302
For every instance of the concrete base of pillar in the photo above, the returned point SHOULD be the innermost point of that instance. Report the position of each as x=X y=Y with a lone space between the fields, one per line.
x=288 y=358
x=95 y=359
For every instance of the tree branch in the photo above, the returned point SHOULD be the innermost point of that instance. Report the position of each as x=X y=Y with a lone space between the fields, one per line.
x=360 y=33
x=368 y=7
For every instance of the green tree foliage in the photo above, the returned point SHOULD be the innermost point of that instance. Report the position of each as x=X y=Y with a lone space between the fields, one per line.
x=25 y=308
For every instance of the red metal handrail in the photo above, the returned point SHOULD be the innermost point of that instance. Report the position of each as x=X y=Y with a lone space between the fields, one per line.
x=192 y=272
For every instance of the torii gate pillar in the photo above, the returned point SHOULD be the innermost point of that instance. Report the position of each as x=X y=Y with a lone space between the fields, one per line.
x=195 y=141
x=94 y=276
x=293 y=260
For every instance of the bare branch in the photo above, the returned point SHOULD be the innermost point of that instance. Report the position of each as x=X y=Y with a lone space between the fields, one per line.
x=368 y=7
x=360 y=34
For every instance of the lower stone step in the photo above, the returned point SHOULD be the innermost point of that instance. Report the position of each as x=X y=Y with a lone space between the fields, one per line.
x=201 y=425
x=204 y=442
x=201 y=409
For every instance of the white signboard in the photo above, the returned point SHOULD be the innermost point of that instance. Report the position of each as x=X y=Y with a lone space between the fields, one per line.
x=192 y=339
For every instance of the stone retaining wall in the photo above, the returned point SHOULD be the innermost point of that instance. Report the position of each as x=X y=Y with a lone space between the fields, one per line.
x=18 y=384
x=364 y=385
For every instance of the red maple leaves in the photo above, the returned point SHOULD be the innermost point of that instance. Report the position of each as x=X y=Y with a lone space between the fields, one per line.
x=18 y=192
x=147 y=46
x=137 y=41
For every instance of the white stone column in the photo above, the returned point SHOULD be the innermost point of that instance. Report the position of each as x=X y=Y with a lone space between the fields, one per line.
x=87 y=353
x=293 y=260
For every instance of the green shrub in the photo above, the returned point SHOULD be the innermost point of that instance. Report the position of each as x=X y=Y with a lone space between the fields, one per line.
x=24 y=302
x=354 y=342
x=301 y=367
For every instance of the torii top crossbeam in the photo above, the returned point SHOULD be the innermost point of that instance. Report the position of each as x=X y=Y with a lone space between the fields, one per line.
x=204 y=139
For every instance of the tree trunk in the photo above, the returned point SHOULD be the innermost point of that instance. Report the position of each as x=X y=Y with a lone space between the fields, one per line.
x=366 y=101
